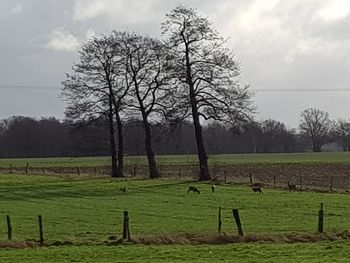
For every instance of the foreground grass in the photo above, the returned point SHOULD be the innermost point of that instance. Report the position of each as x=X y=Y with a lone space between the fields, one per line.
x=89 y=210
x=290 y=253
x=221 y=159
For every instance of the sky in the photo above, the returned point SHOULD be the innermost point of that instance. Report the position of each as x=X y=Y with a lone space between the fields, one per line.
x=294 y=53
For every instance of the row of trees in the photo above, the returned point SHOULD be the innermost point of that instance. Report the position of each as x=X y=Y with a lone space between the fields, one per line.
x=28 y=137
x=188 y=75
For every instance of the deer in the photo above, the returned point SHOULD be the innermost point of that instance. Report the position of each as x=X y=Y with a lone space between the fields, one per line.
x=193 y=189
x=257 y=188
x=123 y=189
x=293 y=187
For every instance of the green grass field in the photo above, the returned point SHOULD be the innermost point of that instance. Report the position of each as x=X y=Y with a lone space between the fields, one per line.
x=222 y=159
x=323 y=252
x=86 y=211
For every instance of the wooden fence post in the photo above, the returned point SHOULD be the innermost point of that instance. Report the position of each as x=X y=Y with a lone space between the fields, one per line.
x=320 y=219
x=78 y=171
x=126 y=228
x=27 y=168
x=225 y=176
x=9 y=228
x=10 y=168
x=301 y=180
x=219 y=221
x=238 y=221
x=251 y=178
x=331 y=184
x=41 y=232
x=274 y=180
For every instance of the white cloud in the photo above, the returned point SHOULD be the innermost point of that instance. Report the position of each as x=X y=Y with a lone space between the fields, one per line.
x=335 y=9
x=115 y=11
x=17 y=9
x=62 y=40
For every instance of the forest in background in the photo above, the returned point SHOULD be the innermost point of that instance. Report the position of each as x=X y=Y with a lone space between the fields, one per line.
x=49 y=137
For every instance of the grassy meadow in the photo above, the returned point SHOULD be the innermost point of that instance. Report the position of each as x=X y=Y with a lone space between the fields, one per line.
x=323 y=252
x=87 y=212
x=220 y=159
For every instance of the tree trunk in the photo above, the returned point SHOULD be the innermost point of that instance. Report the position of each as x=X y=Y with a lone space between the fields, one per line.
x=202 y=155
x=112 y=139
x=120 y=172
x=153 y=170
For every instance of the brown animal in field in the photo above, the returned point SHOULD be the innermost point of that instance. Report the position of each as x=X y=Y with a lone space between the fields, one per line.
x=294 y=187
x=193 y=189
x=257 y=188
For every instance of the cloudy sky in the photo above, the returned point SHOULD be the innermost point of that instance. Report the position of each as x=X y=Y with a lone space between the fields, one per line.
x=295 y=53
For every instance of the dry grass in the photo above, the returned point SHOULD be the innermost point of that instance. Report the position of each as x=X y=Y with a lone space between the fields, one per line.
x=17 y=244
x=218 y=239
x=198 y=239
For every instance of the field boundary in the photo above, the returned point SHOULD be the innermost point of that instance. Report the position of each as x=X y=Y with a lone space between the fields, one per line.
x=193 y=239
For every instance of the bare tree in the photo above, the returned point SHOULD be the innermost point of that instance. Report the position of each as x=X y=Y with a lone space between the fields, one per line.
x=317 y=126
x=207 y=74
x=342 y=133
x=145 y=66
x=97 y=88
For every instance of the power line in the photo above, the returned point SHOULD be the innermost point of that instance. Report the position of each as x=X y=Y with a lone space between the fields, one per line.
x=51 y=88
x=29 y=87
x=302 y=90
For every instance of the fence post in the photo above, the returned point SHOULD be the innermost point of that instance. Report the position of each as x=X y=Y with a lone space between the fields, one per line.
x=331 y=184
x=78 y=171
x=41 y=232
x=126 y=229
x=27 y=168
x=238 y=221
x=225 y=177
x=251 y=178
x=301 y=180
x=274 y=180
x=219 y=221
x=320 y=219
x=10 y=168
x=9 y=228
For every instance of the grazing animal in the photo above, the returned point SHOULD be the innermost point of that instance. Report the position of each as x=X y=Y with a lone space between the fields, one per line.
x=123 y=189
x=294 y=187
x=257 y=189
x=213 y=187
x=193 y=189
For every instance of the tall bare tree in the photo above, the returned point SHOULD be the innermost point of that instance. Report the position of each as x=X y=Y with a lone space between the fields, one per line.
x=207 y=74
x=317 y=126
x=145 y=66
x=96 y=89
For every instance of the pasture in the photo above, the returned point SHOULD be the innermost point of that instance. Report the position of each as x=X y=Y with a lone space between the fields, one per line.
x=219 y=159
x=83 y=216
x=87 y=214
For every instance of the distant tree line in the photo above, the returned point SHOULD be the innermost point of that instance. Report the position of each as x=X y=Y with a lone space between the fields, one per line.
x=49 y=137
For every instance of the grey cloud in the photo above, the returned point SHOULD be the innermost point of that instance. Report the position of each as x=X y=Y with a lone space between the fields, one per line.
x=281 y=44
